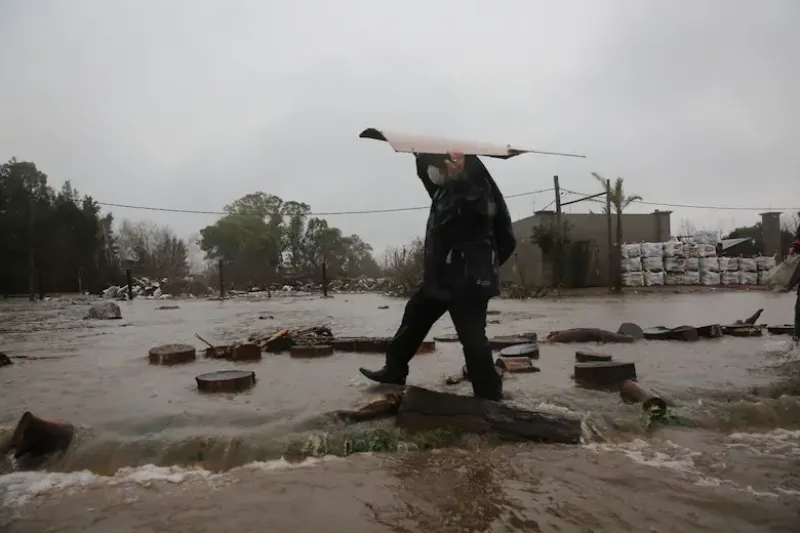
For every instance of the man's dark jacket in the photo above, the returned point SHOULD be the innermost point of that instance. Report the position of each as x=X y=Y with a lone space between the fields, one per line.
x=469 y=234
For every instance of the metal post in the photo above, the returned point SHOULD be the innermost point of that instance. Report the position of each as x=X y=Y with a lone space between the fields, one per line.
x=559 y=236
x=221 y=279
x=129 y=281
x=611 y=254
x=324 y=279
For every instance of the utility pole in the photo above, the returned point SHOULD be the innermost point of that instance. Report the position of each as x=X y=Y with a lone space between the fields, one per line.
x=559 y=237
x=31 y=258
x=611 y=254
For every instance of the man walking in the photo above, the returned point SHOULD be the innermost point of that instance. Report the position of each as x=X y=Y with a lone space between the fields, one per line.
x=795 y=249
x=469 y=235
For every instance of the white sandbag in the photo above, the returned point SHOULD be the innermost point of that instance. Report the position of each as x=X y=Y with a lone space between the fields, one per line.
x=631 y=251
x=780 y=277
x=673 y=248
x=706 y=250
x=652 y=249
x=691 y=277
x=675 y=264
x=765 y=263
x=632 y=279
x=709 y=264
x=690 y=249
x=653 y=278
x=653 y=264
x=692 y=264
x=733 y=264
x=748 y=278
x=729 y=278
x=748 y=264
x=709 y=278
x=722 y=264
x=673 y=278
x=633 y=264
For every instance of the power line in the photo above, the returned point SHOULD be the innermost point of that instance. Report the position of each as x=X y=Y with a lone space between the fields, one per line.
x=327 y=214
x=693 y=206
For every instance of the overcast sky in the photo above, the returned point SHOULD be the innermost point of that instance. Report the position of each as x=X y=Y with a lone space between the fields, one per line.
x=192 y=104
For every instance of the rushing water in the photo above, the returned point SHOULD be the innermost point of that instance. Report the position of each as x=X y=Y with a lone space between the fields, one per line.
x=152 y=453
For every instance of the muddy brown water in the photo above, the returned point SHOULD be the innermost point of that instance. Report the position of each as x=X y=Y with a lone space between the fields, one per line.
x=151 y=454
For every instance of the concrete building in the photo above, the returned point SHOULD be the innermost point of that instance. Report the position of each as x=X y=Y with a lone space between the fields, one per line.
x=589 y=250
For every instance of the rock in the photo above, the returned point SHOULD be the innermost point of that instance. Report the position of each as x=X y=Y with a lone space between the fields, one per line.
x=681 y=333
x=530 y=351
x=423 y=409
x=105 y=311
x=5 y=360
x=35 y=439
x=588 y=356
x=516 y=365
x=172 y=354
x=588 y=335
x=631 y=330
x=604 y=373
x=632 y=391
x=311 y=350
x=226 y=381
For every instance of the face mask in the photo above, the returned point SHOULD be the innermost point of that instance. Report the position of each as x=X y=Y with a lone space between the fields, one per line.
x=436 y=175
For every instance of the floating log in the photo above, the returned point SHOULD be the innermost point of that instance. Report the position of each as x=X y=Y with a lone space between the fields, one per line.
x=450 y=337
x=787 y=329
x=422 y=409
x=604 y=373
x=167 y=307
x=516 y=365
x=530 y=351
x=632 y=391
x=226 y=381
x=631 y=330
x=5 y=360
x=381 y=407
x=500 y=343
x=588 y=335
x=742 y=330
x=588 y=356
x=35 y=439
x=681 y=333
x=172 y=354
x=245 y=352
x=311 y=350
x=713 y=331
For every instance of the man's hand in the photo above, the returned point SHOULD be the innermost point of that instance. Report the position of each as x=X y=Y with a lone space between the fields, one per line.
x=454 y=163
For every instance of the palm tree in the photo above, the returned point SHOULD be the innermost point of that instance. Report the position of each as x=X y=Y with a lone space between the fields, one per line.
x=619 y=202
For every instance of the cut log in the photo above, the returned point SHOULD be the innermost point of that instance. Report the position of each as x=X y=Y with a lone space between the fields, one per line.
x=742 y=330
x=380 y=407
x=492 y=312
x=530 y=351
x=5 y=360
x=516 y=365
x=35 y=439
x=245 y=352
x=787 y=329
x=311 y=350
x=681 y=333
x=604 y=374
x=588 y=335
x=500 y=343
x=427 y=347
x=632 y=391
x=631 y=330
x=588 y=356
x=226 y=381
x=713 y=331
x=422 y=409
x=362 y=344
x=172 y=354
x=450 y=337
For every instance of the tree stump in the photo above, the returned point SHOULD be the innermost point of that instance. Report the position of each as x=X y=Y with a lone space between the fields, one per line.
x=172 y=354
x=787 y=329
x=217 y=352
x=5 y=360
x=588 y=335
x=245 y=352
x=588 y=356
x=631 y=330
x=530 y=351
x=301 y=351
x=226 y=381
x=632 y=391
x=35 y=439
x=516 y=365
x=742 y=330
x=450 y=337
x=604 y=373
x=427 y=347
x=713 y=331
x=499 y=343
x=422 y=409
x=681 y=333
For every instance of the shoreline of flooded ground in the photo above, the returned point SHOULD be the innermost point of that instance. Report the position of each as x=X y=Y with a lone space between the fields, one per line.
x=735 y=398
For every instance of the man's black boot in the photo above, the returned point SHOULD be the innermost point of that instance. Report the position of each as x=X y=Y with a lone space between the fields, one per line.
x=385 y=375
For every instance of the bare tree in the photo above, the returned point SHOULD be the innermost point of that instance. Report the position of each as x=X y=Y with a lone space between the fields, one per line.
x=404 y=264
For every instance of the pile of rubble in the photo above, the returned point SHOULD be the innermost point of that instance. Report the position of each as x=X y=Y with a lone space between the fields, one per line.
x=157 y=290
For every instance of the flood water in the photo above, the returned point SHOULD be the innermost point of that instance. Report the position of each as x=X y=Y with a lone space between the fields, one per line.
x=151 y=454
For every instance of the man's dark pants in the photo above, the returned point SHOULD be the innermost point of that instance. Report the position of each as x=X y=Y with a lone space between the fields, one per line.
x=797 y=316
x=468 y=312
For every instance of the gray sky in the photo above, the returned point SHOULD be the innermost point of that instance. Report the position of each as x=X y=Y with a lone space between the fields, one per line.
x=192 y=104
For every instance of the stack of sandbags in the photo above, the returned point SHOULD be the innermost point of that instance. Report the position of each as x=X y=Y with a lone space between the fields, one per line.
x=653 y=263
x=729 y=270
x=709 y=264
x=692 y=274
x=764 y=265
x=748 y=271
x=674 y=263
x=631 y=265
